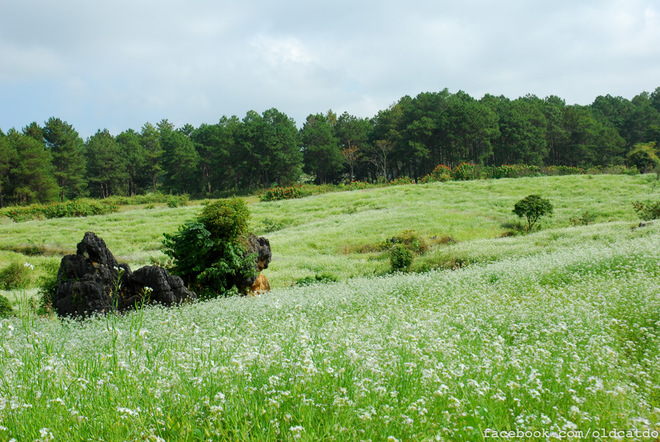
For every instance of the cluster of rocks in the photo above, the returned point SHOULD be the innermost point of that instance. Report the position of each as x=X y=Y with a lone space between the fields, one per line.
x=92 y=281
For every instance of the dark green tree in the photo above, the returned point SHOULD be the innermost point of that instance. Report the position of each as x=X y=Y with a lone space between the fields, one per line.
x=321 y=149
x=7 y=158
x=106 y=165
x=67 y=150
x=180 y=161
x=31 y=177
x=137 y=162
x=151 y=142
x=522 y=127
x=532 y=207
x=353 y=134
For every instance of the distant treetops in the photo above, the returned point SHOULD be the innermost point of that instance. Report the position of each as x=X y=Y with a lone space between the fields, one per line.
x=408 y=139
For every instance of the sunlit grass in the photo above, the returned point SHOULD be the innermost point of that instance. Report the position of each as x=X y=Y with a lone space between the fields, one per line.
x=562 y=339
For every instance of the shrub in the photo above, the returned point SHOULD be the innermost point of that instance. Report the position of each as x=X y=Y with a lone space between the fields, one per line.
x=15 y=276
x=401 y=258
x=583 y=220
x=532 y=207
x=227 y=220
x=464 y=171
x=68 y=209
x=6 y=309
x=644 y=157
x=410 y=240
x=402 y=180
x=282 y=193
x=441 y=173
x=209 y=253
x=319 y=278
x=354 y=185
x=647 y=210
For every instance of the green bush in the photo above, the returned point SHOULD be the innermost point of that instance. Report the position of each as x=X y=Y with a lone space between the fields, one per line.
x=465 y=171
x=6 y=309
x=583 y=220
x=401 y=258
x=319 y=278
x=209 y=253
x=410 y=240
x=282 y=193
x=68 y=209
x=532 y=207
x=647 y=210
x=401 y=181
x=15 y=276
x=644 y=157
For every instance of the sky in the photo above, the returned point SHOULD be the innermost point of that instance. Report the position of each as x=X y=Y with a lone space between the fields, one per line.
x=101 y=64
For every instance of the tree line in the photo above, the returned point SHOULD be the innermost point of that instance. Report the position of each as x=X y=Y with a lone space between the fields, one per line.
x=409 y=138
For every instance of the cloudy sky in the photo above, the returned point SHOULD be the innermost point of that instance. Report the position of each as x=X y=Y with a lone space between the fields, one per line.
x=118 y=64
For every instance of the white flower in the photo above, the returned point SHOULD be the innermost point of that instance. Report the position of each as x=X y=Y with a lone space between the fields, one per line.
x=28 y=265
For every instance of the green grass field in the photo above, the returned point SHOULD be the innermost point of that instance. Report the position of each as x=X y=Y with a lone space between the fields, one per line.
x=557 y=331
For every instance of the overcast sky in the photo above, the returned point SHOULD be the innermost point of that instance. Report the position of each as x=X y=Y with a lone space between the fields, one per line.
x=119 y=64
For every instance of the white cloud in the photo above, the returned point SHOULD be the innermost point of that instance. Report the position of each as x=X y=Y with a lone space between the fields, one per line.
x=119 y=64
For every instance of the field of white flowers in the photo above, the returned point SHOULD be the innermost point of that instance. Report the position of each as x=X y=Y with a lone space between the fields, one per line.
x=562 y=340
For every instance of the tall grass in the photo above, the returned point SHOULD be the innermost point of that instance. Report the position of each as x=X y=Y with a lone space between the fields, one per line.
x=563 y=340
x=326 y=233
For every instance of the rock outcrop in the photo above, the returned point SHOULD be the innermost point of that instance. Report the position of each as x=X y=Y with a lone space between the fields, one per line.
x=261 y=247
x=92 y=281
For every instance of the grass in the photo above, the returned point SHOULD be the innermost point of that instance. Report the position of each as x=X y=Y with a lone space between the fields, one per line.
x=325 y=233
x=554 y=331
x=561 y=341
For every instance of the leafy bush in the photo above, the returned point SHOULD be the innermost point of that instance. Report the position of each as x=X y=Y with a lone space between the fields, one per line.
x=644 y=157
x=282 y=193
x=532 y=207
x=68 y=209
x=209 y=253
x=410 y=240
x=15 y=276
x=441 y=173
x=319 y=278
x=583 y=220
x=402 y=180
x=561 y=170
x=512 y=171
x=6 y=309
x=354 y=185
x=647 y=210
x=273 y=225
x=177 y=201
x=464 y=171
x=401 y=258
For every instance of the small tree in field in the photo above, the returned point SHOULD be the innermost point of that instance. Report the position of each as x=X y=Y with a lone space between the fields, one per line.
x=210 y=252
x=532 y=207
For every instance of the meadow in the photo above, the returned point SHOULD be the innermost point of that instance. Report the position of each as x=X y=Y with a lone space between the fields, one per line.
x=557 y=331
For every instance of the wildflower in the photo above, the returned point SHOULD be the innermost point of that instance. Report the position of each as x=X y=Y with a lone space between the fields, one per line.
x=29 y=266
x=46 y=434
x=297 y=431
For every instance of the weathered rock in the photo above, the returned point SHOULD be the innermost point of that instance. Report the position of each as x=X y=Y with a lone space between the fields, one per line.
x=260 y=246
x=93 y=282
x=261 y=285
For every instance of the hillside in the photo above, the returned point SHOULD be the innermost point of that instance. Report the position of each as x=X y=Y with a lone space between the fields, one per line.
x=554 y=334
x=338 y=234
